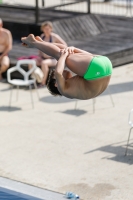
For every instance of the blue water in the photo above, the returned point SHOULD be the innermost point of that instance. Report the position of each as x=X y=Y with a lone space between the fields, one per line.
x=6 y=194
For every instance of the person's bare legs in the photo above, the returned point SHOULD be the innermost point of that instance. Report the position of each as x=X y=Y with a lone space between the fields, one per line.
x=77 y=62
x=4 y=65
x=45 y=68
x=46 y=47
x=61 y=46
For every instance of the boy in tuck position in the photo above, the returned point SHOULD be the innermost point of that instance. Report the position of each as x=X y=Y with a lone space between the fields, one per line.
x=93 y=72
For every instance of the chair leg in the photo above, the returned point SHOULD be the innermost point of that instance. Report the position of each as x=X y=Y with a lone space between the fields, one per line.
x=36 y=90
x=30 y=88
x=94 y=101
x=17 y=93
x=76 y=103
x=111 y=97
x=10 y=98
x=128 y=140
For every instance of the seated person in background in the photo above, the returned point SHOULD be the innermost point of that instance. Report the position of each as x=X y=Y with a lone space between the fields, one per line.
x=92 y=72
x=5 y=47
x=44 y=60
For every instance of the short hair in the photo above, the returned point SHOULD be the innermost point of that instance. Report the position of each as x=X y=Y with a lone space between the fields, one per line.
x=51 y=84
x=47 y=23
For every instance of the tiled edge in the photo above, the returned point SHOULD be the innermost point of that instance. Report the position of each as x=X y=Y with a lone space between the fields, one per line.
x=32 y=191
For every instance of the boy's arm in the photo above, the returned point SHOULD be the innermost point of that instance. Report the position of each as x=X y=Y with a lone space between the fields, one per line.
x=61 y=83
x=72 y=49
x=71 y=87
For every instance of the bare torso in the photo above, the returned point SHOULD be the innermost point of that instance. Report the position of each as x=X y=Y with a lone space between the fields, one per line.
x=4 y=34
x=79 y=87
x=86 y=89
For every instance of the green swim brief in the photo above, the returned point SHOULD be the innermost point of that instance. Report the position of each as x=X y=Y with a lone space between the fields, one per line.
x=99 y=67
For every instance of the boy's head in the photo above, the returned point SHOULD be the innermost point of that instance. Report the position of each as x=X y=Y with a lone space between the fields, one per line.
x=51 y=84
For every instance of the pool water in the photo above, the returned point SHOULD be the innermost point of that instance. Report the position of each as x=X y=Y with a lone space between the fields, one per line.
x=6 y=194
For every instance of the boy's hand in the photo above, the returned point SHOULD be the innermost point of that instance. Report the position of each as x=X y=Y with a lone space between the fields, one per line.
x=64 y=53
x=70 y=50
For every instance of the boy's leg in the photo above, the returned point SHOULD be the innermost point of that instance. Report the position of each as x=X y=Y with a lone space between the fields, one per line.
x=79 y=62
x=61 y=46
x=46 y=47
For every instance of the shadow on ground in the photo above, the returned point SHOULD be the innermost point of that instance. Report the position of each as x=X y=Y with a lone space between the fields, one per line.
x=5 y=89
x=118 y=149
x=77 y=113
x=119 y=88
x=52 y=99
x=112 y=89
x=11 y=109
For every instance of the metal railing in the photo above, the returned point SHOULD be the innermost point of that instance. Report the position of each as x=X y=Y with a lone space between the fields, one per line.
x=112 y=7
x=75 y=6
x=24 y=3
x=41 y=3
x=106 y=7
x=109 y=7
x=80 y=6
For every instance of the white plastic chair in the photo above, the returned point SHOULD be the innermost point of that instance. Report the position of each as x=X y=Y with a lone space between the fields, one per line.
x=94 y=101
x=130 y=122
x=26 y=81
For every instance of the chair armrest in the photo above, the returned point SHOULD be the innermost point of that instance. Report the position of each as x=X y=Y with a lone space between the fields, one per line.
x=130 y=121
x=9 y=71
x=27 y=62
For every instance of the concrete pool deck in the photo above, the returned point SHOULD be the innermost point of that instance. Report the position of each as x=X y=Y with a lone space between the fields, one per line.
x=57 y=148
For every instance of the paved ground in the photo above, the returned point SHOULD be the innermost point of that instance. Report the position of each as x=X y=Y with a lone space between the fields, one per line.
x=61 y=149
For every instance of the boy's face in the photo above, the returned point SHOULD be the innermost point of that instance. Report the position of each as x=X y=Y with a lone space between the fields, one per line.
x=66 y=74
